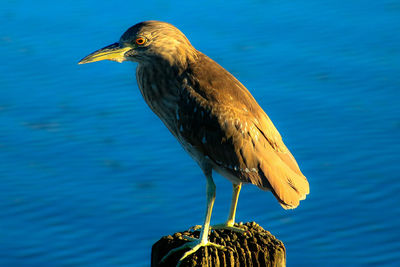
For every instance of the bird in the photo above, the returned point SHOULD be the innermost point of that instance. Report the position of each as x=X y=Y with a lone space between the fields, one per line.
x=212 y=115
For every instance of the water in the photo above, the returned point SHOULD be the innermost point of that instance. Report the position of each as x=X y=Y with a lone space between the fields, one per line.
x=90 y=177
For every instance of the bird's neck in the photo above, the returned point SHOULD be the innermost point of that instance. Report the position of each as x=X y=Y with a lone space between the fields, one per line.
x=176 y=58
x=158 y=82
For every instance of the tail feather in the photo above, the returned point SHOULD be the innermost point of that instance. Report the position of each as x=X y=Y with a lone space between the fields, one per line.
x=278 y=170
x=280 y=173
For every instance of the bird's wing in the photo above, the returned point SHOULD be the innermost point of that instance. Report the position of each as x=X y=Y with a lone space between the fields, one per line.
x=220 y=118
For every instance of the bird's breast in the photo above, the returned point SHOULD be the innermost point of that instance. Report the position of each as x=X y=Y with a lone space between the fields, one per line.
x=167 y=96
x=160 y=90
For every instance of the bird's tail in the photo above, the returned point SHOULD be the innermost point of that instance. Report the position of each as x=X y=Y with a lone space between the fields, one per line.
x=280 y=173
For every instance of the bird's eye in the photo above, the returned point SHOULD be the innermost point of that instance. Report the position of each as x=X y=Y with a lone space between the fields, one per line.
x=140 y=41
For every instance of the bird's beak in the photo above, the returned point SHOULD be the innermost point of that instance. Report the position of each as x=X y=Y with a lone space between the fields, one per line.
x=114 y=52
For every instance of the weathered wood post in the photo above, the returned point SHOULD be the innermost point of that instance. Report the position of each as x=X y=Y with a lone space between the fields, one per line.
x=254 y=247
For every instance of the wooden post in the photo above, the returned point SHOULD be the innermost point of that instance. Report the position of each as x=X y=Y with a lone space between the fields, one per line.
x=254 y=247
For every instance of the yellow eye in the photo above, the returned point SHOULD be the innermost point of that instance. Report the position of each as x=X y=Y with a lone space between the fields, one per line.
x=140 y=41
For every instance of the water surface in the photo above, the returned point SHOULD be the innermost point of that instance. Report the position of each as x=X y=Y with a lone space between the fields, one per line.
x=90 y=177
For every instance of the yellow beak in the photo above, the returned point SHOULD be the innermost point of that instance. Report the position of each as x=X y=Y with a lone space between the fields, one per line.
x=114 y=52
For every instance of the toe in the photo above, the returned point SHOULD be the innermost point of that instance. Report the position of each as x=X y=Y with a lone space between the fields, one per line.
x=193 y=246
x=229 y=227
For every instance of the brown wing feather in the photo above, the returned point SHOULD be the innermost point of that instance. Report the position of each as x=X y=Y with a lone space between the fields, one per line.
x=222 y=120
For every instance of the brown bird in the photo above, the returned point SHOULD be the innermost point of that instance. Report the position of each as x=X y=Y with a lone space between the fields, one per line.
x=213 y=116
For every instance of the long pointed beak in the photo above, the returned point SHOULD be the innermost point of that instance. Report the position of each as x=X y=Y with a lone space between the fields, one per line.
x=114 y=52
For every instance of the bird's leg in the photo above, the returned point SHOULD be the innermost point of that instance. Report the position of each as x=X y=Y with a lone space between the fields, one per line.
x=194 y=245
x=229 y=224
x=235 y=197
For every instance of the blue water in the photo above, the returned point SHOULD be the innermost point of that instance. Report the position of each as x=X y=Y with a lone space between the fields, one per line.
x=90 y=177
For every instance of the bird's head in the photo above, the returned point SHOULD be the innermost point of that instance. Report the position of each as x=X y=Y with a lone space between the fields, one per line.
x=146 y=42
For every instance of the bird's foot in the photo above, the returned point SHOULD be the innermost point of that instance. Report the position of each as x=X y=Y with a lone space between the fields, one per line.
x=193 y=246
x=221 y=226
x=230 y=227
x=195 y=228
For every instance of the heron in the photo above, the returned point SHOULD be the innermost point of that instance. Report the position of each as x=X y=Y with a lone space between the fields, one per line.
x=212 y=115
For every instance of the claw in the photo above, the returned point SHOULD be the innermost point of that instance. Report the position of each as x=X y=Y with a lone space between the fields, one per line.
x=195 y=228
x=224 y=226
x=194 y=245
x=188 y=238
x=233 y=228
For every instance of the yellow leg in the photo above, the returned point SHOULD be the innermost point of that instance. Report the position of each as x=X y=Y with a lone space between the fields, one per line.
x=194 y=245
x=210 y=189
x=229 y=224
x=232 y=211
